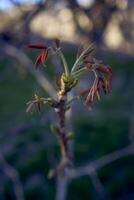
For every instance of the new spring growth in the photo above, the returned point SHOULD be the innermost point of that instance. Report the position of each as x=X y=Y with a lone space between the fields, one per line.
x=69 y=79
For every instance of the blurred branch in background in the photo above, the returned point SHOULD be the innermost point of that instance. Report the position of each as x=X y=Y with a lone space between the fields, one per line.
x=98 y=185
x=93 y=166
x=17 y=54
x=61 y=188
x=108 y=23
x=105 y=160
x=12 y=173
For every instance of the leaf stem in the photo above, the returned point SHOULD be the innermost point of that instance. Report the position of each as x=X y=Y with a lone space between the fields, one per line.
x=79 y=72
x=88 y=50
x=66 y=69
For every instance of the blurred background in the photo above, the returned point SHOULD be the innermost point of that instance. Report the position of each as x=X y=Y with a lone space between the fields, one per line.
x=104 y=136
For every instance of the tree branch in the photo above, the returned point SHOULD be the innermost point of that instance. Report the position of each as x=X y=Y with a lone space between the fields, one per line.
x=101 y=162
x=14 y=176
x=17 y=54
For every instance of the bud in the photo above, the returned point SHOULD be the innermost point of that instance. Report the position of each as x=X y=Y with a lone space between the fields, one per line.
x=41 y=58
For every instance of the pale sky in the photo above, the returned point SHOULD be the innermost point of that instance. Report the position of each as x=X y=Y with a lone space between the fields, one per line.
x=5 y=4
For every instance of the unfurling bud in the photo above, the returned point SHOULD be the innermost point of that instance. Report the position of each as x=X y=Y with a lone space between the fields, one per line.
x=41 y=58
x=37 y=102
x=67 y=83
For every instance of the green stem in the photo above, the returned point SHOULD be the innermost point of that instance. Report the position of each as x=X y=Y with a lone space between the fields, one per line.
x=66 y=70
x=79 y=72
x=88 y=50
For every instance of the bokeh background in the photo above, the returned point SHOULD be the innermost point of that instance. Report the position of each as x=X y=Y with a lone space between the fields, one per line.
x=104 y=136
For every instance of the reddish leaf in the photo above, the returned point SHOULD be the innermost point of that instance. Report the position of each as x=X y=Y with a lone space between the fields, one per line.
x=37 y=46
x=84 y=92
x=104 y=69
x=41 y=58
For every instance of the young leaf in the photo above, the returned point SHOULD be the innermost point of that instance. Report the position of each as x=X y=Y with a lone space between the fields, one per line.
x=41 y=58
x=37 y=46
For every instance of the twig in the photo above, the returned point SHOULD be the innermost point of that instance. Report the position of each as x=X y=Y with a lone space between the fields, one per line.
x=91 y=168
x=61 y=186
x=97 y=184
x=61 y=132
x=14 y=176
x=17 y=54
x=62 y=182
x=99 y=163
